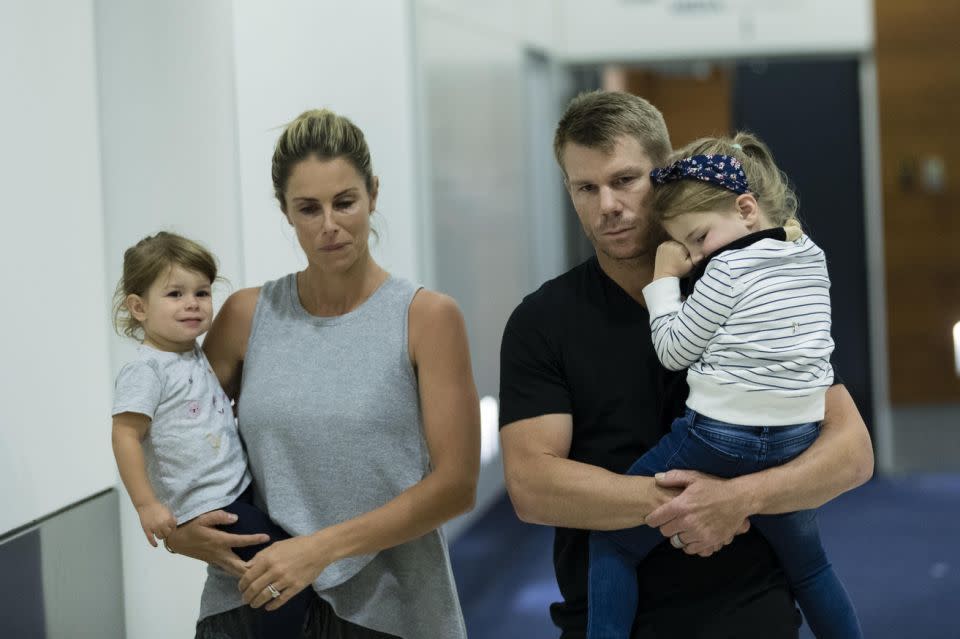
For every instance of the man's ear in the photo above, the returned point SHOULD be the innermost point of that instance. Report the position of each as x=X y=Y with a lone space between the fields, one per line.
x=748 y=209
x=136 y=306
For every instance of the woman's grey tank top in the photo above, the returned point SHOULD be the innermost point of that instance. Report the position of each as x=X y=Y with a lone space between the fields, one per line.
x=330 y=413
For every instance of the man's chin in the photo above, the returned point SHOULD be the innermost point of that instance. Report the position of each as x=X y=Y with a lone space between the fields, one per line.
x=625 y=253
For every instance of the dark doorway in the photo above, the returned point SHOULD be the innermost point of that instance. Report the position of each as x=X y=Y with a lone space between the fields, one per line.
x=809 y=114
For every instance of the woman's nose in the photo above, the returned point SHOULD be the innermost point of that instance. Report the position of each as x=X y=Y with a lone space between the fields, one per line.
x=328 y=226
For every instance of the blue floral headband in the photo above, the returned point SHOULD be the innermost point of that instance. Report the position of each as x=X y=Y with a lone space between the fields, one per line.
x=724 y=171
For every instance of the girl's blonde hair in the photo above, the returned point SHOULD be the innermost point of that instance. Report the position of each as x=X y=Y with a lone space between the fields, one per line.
x=768 y=184
x=145 y=261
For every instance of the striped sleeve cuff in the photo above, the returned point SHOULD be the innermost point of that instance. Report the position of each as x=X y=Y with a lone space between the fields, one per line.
x=663 y=296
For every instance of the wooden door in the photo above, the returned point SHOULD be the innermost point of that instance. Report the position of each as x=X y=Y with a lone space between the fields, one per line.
x=917 y=53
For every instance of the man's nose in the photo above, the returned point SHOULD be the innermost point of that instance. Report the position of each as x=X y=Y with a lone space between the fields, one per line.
x=608 y=201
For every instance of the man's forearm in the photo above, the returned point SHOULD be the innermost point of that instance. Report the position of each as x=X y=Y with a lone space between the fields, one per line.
x=839 y=460
x=555 y=491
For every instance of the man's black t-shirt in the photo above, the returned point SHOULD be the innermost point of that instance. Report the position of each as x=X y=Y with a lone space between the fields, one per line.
x=580 y=345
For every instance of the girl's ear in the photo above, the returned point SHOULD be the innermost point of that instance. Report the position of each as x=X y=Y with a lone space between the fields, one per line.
x=748 y=209
x=136 y=306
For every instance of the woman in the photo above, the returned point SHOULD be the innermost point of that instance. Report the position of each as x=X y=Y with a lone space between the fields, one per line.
x=356 y=400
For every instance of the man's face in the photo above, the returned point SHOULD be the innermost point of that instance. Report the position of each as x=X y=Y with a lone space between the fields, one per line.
x=609 y=192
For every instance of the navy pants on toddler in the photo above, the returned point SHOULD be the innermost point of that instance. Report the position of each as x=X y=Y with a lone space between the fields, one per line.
x=287 y=621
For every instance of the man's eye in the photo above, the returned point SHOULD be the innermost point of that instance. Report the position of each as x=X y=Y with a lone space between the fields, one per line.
x=307 y=210
x=587 y=188
x=624 y=180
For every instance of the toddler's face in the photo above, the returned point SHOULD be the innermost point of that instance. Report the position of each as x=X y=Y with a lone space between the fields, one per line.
x=176 y=310
x=703 y=233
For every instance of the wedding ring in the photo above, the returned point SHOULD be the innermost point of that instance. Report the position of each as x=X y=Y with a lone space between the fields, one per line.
x=676 y=542
x=273 y=591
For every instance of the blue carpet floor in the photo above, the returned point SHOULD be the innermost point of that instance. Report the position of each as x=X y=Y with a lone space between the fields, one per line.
x=894 y=542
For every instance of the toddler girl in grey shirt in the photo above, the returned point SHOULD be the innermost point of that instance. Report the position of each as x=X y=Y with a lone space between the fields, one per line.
x=174 y=435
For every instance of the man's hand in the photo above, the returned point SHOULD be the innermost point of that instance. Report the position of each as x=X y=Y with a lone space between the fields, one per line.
x=706 y=515
x=673 y=260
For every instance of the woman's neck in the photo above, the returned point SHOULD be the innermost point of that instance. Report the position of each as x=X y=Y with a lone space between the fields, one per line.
x=327 y=294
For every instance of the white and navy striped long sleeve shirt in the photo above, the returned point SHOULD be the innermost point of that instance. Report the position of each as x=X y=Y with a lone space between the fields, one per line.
x=755 y=333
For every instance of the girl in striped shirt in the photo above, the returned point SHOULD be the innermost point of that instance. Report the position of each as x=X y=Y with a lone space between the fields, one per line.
x=754 y=336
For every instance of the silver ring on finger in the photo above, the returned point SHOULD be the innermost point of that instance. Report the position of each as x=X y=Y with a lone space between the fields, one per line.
x=676 y=542
x=274 y=593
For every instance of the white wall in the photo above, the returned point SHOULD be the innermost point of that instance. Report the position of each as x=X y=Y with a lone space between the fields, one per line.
x=355 y=58
x=614 y=30
x=54 y=370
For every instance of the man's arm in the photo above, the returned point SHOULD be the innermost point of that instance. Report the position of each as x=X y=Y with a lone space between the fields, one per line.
x=709 y=509
x=548 y=488
x=839 y=460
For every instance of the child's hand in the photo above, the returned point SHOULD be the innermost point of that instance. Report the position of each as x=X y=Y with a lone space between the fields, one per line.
x=673 y=260
x=157 y=521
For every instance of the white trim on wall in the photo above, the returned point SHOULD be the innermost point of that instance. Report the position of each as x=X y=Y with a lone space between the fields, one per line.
x=876 y=266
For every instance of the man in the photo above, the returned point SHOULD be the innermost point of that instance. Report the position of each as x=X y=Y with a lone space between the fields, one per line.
x=583 y=395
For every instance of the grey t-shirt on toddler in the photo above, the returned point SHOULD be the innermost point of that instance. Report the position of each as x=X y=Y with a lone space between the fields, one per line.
x=194 y=457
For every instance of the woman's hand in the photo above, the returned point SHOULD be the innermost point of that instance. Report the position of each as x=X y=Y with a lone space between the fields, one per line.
x=289 y=566
x=201 y=539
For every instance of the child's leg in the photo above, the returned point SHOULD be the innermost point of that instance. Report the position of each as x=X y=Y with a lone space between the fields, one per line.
x=614 y=555
x=251 y=521
x=680 y=448
x=795 y=538
x=612 y=589
x=288 y=620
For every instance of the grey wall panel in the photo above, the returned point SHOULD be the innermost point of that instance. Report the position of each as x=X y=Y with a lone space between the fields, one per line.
x=926 y=438
x=21 y=588
x=495 y=225
x=81 y=571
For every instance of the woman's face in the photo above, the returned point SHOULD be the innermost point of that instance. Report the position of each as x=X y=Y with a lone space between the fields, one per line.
x=329 y=207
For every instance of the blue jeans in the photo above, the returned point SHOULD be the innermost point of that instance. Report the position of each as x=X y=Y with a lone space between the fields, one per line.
x=697 y=442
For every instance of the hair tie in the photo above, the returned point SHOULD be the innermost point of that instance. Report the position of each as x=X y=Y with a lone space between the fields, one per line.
x=724 y=171
x=737 y=146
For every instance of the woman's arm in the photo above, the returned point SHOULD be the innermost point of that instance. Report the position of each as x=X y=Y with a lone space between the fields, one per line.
x=451 y=423
x=129 y=429
x=225 y=347
x=709 y=508
x=226 y=343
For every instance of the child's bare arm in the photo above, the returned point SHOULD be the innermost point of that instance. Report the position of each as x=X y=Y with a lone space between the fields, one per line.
x=129 y=429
